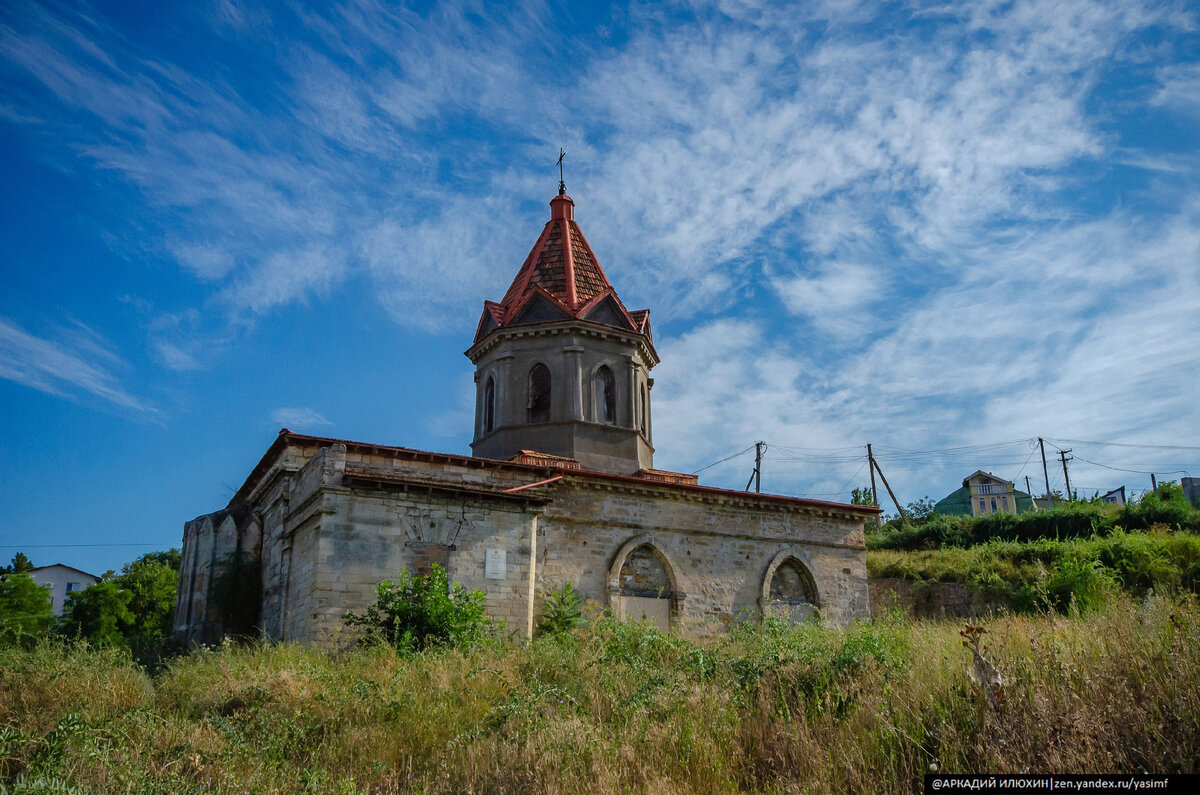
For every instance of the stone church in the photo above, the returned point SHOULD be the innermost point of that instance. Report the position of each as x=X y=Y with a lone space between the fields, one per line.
x=560 y=487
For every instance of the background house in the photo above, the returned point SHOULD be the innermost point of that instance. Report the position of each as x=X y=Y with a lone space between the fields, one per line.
x=983 y=493
x=1114 y=497
x=62 y=580
x=1191 y=490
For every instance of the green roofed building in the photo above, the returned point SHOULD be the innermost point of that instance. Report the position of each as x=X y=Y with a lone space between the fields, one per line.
x=983 y=493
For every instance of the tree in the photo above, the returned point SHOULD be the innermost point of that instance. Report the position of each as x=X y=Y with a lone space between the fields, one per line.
x=99 y=614
x=135 y=608
x=151 y=586
x=169 y=558
x=862 y=497
x=921 y=511
x=25 y=610
x=20 y=564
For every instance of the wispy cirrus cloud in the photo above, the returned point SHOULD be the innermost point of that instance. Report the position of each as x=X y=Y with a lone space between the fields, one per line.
x=77 y=364
x=298 y=418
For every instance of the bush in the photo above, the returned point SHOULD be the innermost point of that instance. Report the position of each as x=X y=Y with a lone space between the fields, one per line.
x=562 y=610
x=423 y=611
x=1083 y=584
x=1165 y=507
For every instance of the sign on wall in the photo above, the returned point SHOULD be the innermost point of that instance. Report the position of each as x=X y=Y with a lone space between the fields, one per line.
x=495 y=566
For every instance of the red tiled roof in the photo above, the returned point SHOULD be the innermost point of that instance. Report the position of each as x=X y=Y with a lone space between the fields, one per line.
x=561 y=266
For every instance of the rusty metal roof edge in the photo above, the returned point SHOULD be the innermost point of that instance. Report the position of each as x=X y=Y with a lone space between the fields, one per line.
x=287 y=437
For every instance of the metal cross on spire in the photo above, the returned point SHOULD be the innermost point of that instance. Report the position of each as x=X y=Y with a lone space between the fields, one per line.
x=562 y=186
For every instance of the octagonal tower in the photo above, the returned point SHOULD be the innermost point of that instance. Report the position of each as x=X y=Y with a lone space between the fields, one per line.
x=561 y=366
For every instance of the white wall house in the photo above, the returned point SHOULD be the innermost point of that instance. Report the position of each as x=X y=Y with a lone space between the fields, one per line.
x=62 y=580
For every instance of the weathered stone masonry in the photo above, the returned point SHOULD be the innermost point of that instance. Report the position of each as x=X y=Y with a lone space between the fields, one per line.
x=327 y=520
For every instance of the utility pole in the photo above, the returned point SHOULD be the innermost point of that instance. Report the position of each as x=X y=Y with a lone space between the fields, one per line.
x=1153 y=483
x=756 y=475
x=874 y=493
x=1045 y=472
x=1063 y=455
x=875 y=464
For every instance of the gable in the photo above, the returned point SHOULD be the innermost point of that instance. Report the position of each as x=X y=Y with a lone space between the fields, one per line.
x=538 y=309
x=607 y=312
x=981 y=478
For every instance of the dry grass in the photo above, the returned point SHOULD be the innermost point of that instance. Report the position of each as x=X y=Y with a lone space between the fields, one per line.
x=621 y=708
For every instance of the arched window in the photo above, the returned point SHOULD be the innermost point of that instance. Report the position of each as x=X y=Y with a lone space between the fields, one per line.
x=645 y=593
x=604 y=391
x=539 y=394
x=489 y=406
x=792 y=591
x=645 y=410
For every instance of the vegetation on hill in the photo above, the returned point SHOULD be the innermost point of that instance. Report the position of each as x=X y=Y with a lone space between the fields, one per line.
x=615 y=707
x=134 y=609
x=925 y=529
x=1077 y=553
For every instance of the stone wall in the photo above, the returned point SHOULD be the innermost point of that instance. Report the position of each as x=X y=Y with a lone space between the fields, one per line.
x=930 y=599
x=335 y=522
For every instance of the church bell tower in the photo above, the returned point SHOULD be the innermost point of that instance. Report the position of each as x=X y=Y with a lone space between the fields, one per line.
x=561 y=366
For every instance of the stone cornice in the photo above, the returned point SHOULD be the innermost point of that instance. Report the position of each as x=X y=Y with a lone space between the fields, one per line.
x=564 y=327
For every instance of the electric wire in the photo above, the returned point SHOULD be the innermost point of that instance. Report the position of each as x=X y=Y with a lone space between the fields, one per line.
x=723 y=460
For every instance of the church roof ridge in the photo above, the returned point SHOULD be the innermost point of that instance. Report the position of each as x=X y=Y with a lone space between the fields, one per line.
x=562 y=266
x=287 y=436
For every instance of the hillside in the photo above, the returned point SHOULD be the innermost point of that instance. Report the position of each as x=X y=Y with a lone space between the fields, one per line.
x=618 y=707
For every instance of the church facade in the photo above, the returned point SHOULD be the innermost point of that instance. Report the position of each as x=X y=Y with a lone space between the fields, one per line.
x=560 y=487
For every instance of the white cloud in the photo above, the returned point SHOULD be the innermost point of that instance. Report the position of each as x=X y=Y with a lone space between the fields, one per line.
x=286 y=276
x=76 y=364
x=1179 y=88
x=836 y=299
x=297 y=418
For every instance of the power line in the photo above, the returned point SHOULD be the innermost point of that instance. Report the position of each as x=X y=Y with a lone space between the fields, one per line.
x=69 y=546
x=848 y=482
x=1136 y=471
x=723 y=460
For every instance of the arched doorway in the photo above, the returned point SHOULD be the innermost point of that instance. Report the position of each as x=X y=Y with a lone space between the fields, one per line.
x=641 y=584
x=789 y=591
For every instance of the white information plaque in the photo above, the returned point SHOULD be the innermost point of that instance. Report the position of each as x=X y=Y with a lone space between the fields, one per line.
x=496 y=565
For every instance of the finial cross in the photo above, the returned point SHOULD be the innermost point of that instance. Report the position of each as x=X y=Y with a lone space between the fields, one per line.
x=562 y=186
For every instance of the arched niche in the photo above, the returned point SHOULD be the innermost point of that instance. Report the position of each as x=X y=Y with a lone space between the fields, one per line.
x=789 y=589
x=489 y=405
x=642 y=583
x=604 y=395
x=538 y=405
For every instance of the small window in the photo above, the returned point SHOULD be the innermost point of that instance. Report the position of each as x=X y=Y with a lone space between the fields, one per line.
x=489 y=406
x=72 y=586
x=604 y=392
x=539 y=394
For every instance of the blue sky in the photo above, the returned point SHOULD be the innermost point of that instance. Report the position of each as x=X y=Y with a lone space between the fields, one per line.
x=944 y=229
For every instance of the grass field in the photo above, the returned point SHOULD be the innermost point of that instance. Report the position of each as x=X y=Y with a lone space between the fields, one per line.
x=618 y=707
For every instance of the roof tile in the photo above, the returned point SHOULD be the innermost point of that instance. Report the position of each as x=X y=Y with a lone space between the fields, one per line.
x=563 y=265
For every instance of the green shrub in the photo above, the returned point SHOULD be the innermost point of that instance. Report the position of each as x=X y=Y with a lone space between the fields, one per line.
x=1165 y=507
x=423 y=611
x=562 y=610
